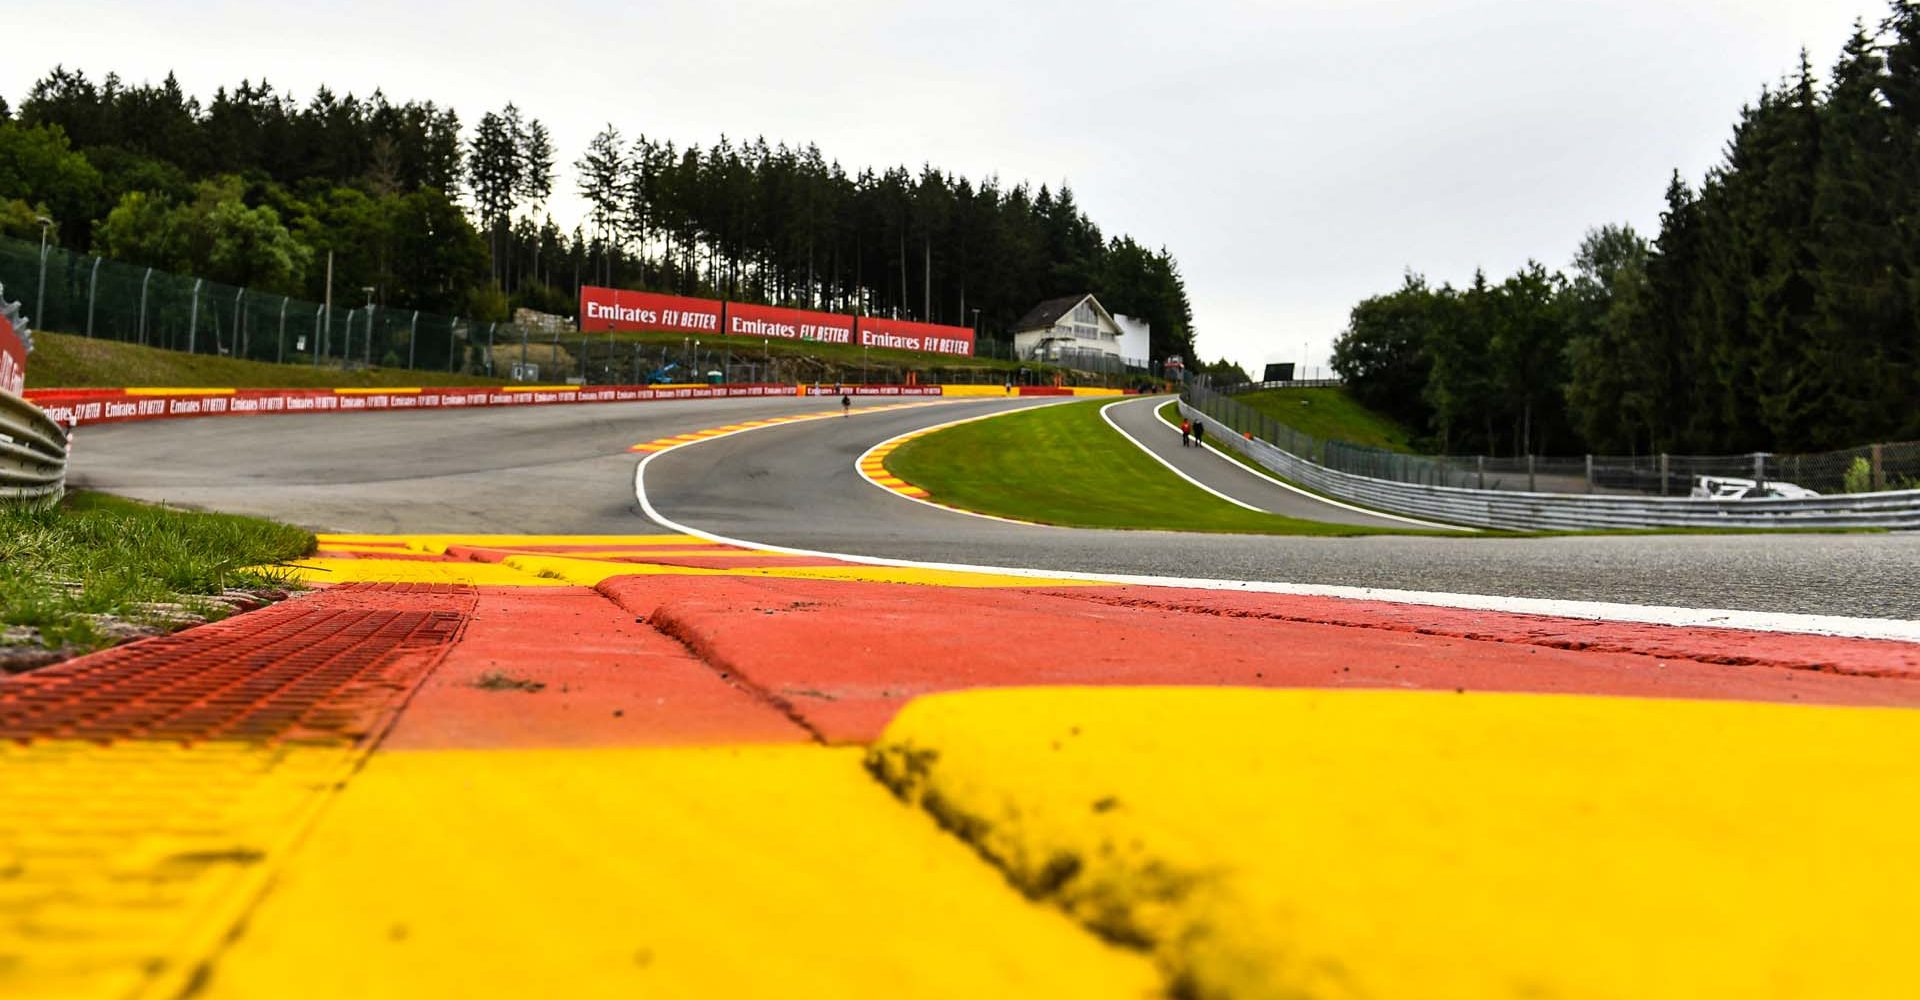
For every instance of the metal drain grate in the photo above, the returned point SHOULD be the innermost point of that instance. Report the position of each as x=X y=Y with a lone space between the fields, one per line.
x=325 y=667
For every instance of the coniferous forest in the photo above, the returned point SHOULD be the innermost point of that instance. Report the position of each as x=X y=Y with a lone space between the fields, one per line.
x=1777 y=308
x=256 y=187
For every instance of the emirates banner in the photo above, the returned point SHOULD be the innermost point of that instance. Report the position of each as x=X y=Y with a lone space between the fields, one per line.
x=905 y=335
x=787 y=324
x=603 y=309
x=13 y=358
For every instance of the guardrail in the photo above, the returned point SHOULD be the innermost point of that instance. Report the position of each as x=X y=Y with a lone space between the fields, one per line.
x=33 y=452
x=1563 y=511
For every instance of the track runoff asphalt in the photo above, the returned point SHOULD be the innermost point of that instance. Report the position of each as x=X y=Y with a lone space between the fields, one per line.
x=566 y=469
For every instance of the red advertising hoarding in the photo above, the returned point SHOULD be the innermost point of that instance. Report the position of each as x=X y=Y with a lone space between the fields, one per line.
x=787 y=324
x=13 y=359
x=905 y=335
x=603 y=309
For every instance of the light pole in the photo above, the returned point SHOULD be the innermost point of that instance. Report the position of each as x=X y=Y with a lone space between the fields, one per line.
x=40 y=297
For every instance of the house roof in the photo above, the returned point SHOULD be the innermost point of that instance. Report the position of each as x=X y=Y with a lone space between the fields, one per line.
x=1047 y=313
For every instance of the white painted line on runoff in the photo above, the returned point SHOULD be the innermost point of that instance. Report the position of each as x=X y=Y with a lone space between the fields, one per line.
x=858 y=462
x=1309 y=494
x=1170 y=466
x=1649 y=614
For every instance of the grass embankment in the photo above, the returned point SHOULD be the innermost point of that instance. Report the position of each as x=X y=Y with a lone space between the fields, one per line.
x=64 y=361
x=1329 y=414
x=76 y=575
x=1063 y=465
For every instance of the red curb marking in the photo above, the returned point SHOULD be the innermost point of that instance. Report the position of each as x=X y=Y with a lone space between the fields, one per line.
x=847 y=655
x=327 y=667
x=1734 y=647
x=610 y=681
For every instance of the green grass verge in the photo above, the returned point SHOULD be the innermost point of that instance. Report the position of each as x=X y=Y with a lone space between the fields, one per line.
x=64 y=361
x=61 y=564
x=1063 y=465
x=1329 y=414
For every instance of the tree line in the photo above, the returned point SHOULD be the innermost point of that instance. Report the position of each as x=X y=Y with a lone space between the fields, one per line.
x=1777 y=308
x=256 y=188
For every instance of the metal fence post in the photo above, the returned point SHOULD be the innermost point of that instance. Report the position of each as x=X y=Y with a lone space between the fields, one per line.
x=1589 y=473
x=1530 y=486
x=413 y=330
x=93 y=286
x=1480 y=468
x=193 y=316
x=1665 y=488
x=280 y=353
x=1759 y=469
x=239 y=337
x=317 y=310
x=490 y=327
x=370 y=308
x=142 y=331
x=1879 y=470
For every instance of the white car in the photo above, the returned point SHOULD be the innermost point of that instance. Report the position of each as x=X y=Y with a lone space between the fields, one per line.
x=1730 y=488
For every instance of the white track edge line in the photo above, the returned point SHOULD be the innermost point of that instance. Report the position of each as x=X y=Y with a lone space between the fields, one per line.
x=1170 y=466
x=1649 y=614
x=1309 y=494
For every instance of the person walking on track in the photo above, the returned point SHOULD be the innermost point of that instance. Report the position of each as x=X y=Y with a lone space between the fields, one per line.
x=846 y=406
x=1199 y=434
x=1186 y=433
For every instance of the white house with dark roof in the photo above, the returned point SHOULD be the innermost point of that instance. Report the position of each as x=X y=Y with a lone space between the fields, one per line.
x=1058 y=329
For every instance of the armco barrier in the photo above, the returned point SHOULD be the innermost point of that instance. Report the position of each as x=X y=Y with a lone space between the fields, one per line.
x=1565 y=511
x=33 y=451
x=98 y=406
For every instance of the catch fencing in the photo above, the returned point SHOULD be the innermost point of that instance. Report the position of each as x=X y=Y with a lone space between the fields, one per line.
x=1448 y=496
x=1866 y=469
x=97 y=297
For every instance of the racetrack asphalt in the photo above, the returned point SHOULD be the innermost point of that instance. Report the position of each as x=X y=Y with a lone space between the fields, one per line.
x=566 y=469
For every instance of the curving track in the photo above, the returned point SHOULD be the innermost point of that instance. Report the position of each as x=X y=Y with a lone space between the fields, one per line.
x=565 y=469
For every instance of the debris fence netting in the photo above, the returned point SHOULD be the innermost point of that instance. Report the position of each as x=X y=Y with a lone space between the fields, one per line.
x=1867 y=468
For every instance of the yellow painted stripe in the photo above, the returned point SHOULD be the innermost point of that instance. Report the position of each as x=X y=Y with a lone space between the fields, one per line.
x=590 y=573
x=1441 y=845
x=123 y=866
x=327 y=571
x=742 y=872
x=973 y=390
x=176 y=391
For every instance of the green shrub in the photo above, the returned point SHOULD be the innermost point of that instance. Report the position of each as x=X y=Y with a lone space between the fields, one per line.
x=1858 y=477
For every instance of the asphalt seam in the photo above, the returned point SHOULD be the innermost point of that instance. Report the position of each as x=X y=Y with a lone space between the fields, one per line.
x=664 y=621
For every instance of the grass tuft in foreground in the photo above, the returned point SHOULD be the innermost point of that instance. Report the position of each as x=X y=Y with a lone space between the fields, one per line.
x=1063 y=465
x=74 y=575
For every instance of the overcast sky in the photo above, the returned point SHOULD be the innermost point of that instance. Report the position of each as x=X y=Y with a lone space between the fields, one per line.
x=1295 y=156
